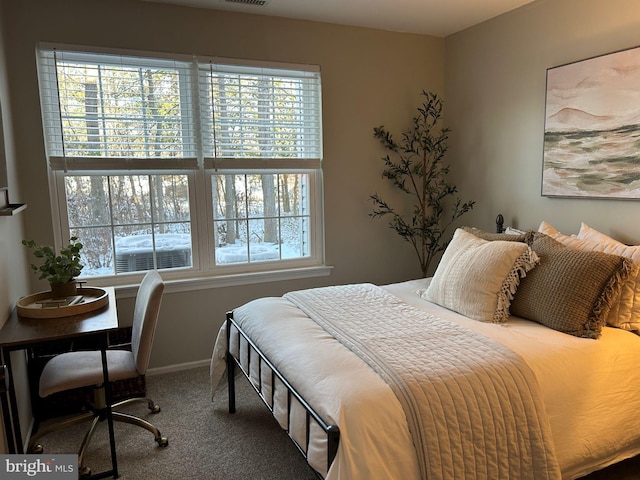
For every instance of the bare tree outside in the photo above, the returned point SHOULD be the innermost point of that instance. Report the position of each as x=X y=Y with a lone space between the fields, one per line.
x=136 y=220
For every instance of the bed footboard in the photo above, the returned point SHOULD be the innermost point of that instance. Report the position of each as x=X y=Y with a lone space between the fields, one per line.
x=267 y=394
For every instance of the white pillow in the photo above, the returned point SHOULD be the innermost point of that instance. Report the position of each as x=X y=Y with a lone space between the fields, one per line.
x=478 y=278
x=625 y=312
x=588 y=233
x=548 y=230
x=514 y=231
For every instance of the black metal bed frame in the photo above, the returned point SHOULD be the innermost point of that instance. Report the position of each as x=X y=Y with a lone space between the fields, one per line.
x=331 y=431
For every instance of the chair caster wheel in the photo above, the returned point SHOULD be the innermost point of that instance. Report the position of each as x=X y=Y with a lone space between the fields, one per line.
x=37 y=448
x=162 y=441
x=84 y=472
x=155 y=409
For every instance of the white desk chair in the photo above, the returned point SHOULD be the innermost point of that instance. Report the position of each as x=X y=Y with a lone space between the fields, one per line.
x=84 y=368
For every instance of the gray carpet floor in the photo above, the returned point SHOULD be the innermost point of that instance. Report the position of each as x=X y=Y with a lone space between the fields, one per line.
x=206 y=442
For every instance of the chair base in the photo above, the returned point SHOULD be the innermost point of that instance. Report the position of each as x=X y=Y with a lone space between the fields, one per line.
x=96 y=416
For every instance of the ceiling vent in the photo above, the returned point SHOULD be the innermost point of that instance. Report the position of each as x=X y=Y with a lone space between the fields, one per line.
x=260 y=3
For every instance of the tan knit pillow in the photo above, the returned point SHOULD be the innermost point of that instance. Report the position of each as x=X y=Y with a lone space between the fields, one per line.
x=625 y=312
x=478 y=278
x=571 y=290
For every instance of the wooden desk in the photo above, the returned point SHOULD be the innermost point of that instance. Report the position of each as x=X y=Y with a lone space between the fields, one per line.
x=19 y=333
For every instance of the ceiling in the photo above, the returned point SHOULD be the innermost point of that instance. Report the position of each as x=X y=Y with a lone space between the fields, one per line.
x=431 y=17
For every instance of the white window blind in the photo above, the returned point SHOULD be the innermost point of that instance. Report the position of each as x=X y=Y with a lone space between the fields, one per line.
x=260 y=117
x=116 y=112
x=129 y=136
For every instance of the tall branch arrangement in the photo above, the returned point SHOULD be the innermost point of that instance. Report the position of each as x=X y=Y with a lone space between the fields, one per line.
x=415 y=166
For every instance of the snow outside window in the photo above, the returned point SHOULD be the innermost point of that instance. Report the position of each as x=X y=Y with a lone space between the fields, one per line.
x=190 y=165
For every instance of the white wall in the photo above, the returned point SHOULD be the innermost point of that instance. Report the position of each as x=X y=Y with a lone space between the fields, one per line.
x=13 y=267
x=495 y=76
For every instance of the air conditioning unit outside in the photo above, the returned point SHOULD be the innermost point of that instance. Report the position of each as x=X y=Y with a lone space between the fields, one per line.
x=135 y=253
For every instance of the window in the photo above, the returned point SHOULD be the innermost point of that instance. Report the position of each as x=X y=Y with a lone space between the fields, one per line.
x=196 y=166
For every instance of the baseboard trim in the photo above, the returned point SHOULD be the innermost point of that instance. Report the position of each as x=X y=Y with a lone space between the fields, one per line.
x=178 y=367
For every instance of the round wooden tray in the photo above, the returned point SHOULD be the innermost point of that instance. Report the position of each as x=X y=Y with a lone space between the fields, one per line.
x=87 y=300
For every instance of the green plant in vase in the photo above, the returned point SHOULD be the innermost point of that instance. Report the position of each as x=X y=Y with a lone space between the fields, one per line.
x=59 y=269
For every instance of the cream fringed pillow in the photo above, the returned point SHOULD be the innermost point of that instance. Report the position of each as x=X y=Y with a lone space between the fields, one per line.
x=478 y=278
x=625 y=312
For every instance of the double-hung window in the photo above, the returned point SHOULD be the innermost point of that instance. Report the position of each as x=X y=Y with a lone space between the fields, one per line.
x=196 y=166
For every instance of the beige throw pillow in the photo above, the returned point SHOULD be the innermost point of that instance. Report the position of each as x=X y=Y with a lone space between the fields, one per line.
x=478 y=278
x=571 y=290
x=625 y=312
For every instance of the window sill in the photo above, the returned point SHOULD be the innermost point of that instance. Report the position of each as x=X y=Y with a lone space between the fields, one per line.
x=203 y=283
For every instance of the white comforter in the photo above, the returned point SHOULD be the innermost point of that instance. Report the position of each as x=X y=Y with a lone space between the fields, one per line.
x=590 y=388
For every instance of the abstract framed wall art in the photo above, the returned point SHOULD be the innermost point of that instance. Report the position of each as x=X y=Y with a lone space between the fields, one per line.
x=592 y=128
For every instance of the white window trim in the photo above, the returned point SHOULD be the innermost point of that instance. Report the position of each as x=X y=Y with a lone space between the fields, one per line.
x=204 y=273
x=129 y=288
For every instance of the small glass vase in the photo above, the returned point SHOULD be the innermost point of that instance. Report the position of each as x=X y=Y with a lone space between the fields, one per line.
x=63 y=290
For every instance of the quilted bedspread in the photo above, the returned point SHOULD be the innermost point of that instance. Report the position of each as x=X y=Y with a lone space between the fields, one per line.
x=472 y=405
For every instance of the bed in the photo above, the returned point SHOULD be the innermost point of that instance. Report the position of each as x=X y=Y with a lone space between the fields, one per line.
x=504 y=396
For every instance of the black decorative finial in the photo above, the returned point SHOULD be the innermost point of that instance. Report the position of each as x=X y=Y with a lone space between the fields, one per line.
x=499 y=223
